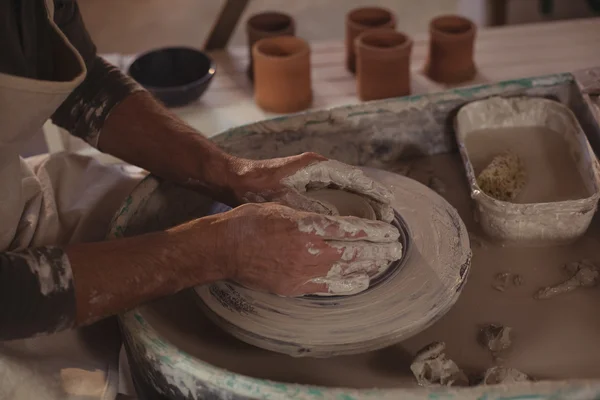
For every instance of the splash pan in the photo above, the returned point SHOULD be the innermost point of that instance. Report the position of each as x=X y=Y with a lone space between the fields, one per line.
x=407 y=298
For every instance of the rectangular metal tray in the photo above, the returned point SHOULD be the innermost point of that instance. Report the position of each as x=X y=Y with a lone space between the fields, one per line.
x=533 y=223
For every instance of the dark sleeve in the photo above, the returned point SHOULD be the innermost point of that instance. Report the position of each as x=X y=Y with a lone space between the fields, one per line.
x=83 y=113
x=37 y=295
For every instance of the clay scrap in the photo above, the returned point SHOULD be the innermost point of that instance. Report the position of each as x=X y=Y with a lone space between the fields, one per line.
x=431 y=367
x=498 y=375
x=582 y=274
x=503 y=280
x=503 y=178
x=495 y=338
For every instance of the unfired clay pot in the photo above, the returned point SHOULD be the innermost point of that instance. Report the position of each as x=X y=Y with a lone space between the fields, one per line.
x=267 y=24
x=382 y=64
x=345 y=203
x=360 y=20
x=282 y=81
x=451 y=45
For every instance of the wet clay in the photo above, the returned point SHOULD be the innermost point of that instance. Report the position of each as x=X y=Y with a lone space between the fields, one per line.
x=568 y=325
x=343 y=203
x=495 y=338
x=332 y=173
x=431 y=367
x=583 y=274
x=552 y=174
x=502 y=375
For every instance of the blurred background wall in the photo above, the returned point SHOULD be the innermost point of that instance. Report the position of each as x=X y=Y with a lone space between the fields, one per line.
x=130 y=26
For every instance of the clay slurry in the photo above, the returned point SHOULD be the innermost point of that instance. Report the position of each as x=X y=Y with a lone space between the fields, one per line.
x=561 y=342
x=552 y=173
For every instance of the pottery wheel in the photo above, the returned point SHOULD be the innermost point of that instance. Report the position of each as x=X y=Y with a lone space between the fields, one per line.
x=411 y=296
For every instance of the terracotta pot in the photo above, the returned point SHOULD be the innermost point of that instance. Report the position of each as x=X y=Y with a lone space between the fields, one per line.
x=382 y=64
x=360 y=20
x=282 y=82
x=267 y=24
x=451 y=45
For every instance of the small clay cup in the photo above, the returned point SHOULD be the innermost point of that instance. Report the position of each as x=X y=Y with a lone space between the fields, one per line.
x=382 y=64
x=267 y=24
x=282 y=80
x=360 y=20
x=451 y=47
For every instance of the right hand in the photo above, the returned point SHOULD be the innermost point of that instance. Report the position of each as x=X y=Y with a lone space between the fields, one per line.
x=287 y=252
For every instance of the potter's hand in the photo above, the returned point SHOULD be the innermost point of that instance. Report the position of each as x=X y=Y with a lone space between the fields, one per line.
x=278 y=249
x=285 y=180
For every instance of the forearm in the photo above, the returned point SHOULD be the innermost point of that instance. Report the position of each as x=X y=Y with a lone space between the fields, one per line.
x=48 y=289
x=114 y=276
x=144 y=133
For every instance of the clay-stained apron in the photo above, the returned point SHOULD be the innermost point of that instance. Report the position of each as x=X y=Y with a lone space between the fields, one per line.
x=58 y=199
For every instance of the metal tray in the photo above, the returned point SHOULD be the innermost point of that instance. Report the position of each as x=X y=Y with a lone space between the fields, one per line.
x=532 y=223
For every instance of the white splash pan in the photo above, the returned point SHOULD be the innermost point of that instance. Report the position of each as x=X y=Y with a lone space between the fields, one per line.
x=533 y=223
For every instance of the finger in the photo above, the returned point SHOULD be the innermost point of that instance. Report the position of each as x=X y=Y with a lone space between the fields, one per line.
x=298 y=161
x=359 y=251
x=347 y=228
x=343 y=286
x=341 y=175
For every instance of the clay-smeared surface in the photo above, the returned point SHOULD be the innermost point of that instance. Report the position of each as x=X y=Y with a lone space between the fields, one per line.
x=555 y=339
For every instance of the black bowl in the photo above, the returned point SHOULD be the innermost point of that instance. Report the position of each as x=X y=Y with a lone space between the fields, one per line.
x=175 y=75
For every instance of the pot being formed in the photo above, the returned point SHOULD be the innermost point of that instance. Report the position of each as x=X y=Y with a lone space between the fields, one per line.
x=451 y=46
x=267 y=24
x=282 y=79
x=383 y=64
x=360 y=20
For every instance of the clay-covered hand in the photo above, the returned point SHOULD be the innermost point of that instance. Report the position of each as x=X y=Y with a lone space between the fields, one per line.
x=285 y=180
x=275 y=248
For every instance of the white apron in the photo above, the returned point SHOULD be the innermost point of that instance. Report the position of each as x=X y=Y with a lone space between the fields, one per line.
x=54 y=200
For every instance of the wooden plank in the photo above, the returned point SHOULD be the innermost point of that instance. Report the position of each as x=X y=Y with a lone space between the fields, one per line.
x=498 y=10
x=225 y=25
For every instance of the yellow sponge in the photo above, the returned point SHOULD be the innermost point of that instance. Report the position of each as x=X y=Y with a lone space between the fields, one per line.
x=504 y=177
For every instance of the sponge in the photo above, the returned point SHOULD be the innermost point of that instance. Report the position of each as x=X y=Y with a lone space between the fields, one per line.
x=504 y=177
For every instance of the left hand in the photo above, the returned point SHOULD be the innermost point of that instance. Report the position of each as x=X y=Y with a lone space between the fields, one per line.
x=285 y=180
